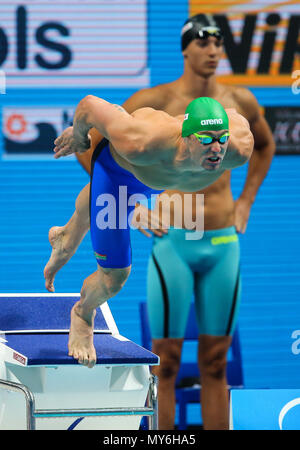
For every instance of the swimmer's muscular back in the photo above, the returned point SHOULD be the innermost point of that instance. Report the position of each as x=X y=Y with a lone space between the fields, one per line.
x=150 y=139
x=156 y=97
x=170 y=98
x=161 y=135
x=173 y=98
x=144 y=137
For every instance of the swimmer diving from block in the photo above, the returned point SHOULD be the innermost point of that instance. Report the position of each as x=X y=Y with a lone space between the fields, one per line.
x=147 y=151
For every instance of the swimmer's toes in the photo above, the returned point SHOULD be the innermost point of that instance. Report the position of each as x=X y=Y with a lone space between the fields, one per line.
x=49 y=279
x=50 y=287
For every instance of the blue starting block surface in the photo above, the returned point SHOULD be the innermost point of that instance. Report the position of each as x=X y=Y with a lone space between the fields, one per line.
x=52 y=349
x=34 y=331
x=41 y=312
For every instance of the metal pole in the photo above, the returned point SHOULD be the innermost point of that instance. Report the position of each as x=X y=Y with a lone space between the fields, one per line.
x=153 y=403
x=29 y=398
x=49 y=413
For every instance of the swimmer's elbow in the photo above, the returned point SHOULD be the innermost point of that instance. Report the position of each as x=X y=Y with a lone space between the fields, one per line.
x=246 y=147
x=240 y=160
x=239 y=152
x=92 y=112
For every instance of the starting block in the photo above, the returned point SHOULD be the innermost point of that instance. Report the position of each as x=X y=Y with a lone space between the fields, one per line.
x=59 y=393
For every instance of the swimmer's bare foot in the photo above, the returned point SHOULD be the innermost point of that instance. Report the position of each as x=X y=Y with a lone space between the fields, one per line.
x=80 y=344
x=61 y=253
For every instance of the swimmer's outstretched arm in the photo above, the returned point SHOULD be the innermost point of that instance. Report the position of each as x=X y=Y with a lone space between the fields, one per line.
x=241 y=141
x=124 y=131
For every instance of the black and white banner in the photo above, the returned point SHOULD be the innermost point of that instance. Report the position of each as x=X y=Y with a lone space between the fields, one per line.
x=285 y=125
x=74 y=43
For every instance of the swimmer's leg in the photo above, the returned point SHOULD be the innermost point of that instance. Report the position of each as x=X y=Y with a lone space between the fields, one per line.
x=217 y=298
x=97 y=289
x=65 y=240
x=169 y=293
x=214 y=392
x=169 y=352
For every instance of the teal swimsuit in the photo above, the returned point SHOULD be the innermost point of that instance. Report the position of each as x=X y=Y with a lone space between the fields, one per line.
x=207 y=268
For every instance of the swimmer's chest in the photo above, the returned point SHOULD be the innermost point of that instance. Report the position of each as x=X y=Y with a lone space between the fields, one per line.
x=176 y=103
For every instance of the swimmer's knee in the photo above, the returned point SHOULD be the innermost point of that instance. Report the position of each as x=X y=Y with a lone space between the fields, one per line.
x=167 y=370
x=170 y=358
x=213 y=364
x=114 y=279
x=214 y=368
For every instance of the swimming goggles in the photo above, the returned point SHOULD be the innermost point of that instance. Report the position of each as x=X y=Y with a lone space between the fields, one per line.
x=205 y=32
x=205 y=139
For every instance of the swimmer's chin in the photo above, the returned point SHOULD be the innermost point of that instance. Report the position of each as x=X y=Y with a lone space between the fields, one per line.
x=211 y=168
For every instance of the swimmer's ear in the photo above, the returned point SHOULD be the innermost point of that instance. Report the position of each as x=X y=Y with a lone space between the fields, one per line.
x=184 y=53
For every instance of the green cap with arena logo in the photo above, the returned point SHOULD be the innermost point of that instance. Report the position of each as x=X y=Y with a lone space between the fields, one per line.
x=204 y=113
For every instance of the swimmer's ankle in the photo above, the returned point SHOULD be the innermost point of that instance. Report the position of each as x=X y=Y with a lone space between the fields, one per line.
x=85 y=313
x=67 y=242
x=73 y=233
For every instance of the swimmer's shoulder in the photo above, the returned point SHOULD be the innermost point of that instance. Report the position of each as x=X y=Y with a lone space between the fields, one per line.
x=153 y=101
x=246 y=101
x=158 y=120
x=158 y=129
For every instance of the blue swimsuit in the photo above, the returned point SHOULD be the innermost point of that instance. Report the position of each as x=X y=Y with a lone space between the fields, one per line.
x=113 y=194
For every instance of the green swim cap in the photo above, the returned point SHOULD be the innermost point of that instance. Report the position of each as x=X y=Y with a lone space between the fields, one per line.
x=204 y=113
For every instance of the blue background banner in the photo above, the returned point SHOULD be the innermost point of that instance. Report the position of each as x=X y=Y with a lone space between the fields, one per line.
x=259 y=409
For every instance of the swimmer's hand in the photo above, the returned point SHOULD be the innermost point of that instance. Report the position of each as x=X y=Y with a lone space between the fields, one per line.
x=242 y=208
x=66 y=144
x=146 y=219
